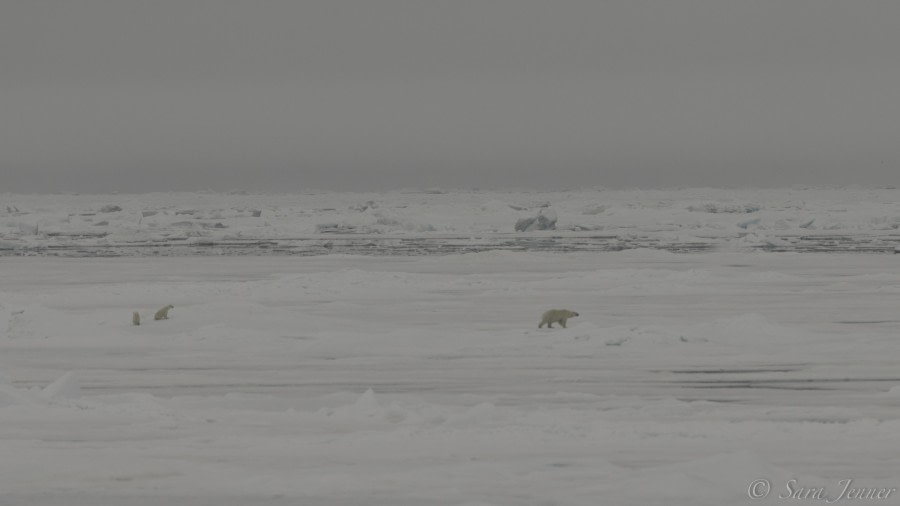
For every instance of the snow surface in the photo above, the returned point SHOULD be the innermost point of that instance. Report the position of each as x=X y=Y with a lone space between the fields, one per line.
x=424 y=380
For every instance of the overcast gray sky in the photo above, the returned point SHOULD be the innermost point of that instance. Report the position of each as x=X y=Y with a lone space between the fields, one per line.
x=377 y=94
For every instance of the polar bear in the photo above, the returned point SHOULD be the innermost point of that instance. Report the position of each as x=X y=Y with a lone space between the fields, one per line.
x=163 y=314
x=556 y=315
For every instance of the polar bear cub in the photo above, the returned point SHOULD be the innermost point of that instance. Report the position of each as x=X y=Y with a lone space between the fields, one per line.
x=163 y=314
x=556 y=315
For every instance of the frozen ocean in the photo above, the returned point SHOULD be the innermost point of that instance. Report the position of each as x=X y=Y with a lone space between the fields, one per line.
x=732 y=347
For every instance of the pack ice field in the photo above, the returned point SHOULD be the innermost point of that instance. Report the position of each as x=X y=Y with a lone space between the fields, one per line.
x=423 y=379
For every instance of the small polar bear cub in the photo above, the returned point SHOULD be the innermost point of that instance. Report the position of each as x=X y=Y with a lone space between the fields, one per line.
x=163 y=314
x=556 y=315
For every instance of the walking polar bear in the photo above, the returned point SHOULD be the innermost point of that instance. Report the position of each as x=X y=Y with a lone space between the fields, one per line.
x=556 y=315
x=163 y=314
